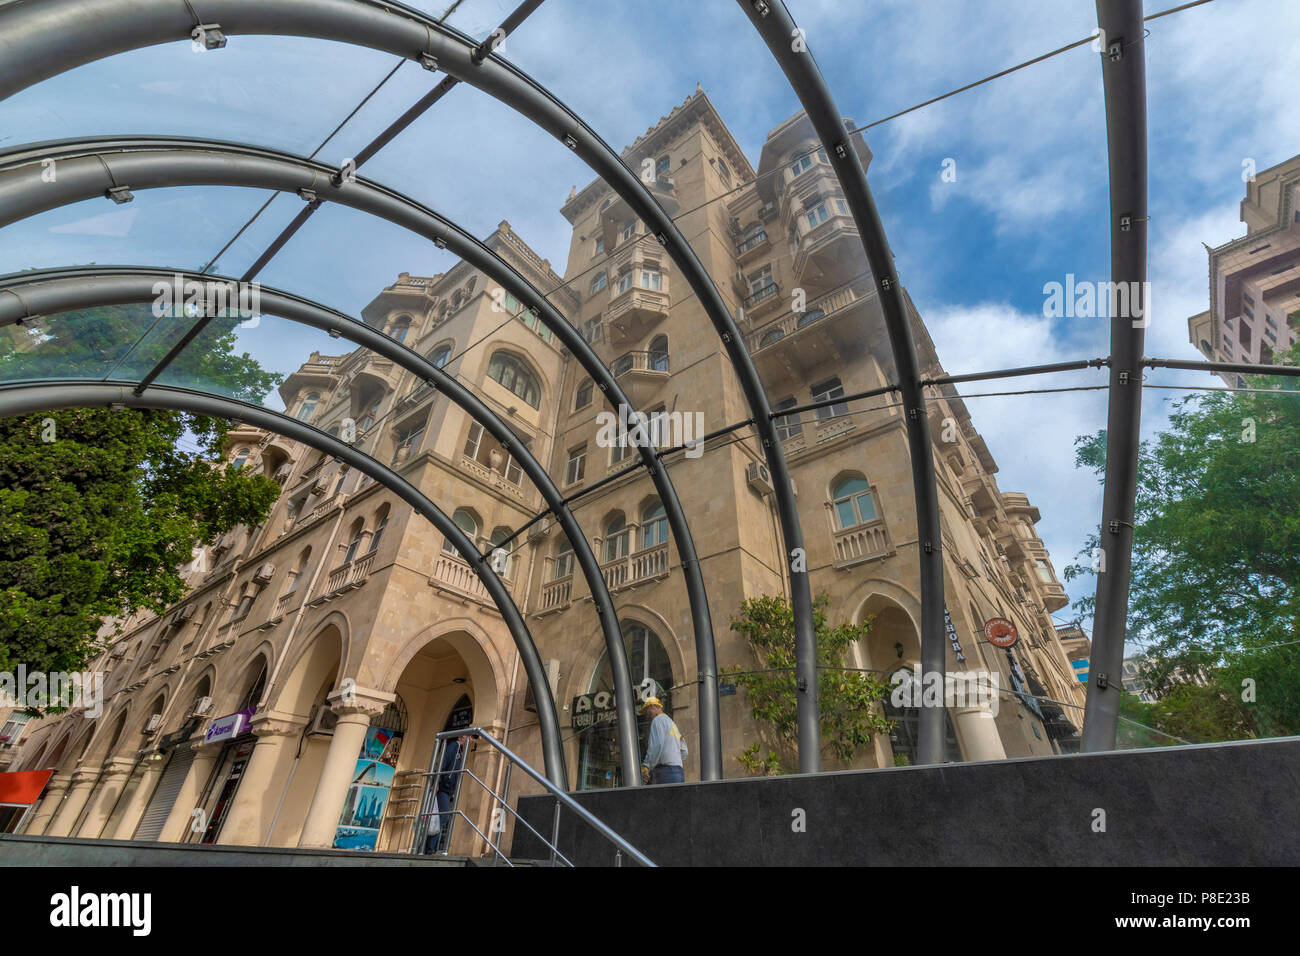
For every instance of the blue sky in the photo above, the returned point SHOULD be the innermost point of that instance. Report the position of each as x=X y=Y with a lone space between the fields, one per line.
x=1029 y=204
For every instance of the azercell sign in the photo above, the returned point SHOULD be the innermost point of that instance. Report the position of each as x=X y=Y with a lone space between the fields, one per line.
x=228 y=727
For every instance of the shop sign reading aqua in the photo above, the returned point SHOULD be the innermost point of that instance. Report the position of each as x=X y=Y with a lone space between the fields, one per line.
x=591 y=710
x=228 y=727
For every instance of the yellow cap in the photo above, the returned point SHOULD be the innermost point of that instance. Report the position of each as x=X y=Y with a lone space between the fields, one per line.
x=651 y=702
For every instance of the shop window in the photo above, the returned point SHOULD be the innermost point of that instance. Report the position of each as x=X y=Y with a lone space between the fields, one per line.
x=651 y=670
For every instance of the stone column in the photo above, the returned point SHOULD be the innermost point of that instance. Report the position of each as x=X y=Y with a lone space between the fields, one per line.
x=78 y=793
x=356 y=708
x=146 y=779
x=40 y=818
x=249 y=816
x=111 y=784
x=979 y=732
x=177 y=826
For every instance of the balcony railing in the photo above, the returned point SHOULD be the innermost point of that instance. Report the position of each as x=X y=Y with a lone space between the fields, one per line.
x=754 y=241
x=640 y=362
x=490 y=477
x=329 y=504
x=761 y=294
x=861 y=542
x=817 y=310
x=283 y=605
x=636 y=568
x=557 y=593
x=351 y=575
x=455 y=575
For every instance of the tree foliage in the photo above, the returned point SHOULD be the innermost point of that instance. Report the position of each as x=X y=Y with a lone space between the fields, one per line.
x=1216 y=558
x=848 y=719
x=99 y=508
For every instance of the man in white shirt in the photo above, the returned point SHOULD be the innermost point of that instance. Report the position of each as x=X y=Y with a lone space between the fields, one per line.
x=666 y=752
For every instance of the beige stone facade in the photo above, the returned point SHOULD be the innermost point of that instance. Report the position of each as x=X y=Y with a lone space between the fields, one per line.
x=1255 y=280
x=345 y=610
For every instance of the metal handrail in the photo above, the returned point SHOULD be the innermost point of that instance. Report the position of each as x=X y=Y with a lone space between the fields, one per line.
x=562 y=800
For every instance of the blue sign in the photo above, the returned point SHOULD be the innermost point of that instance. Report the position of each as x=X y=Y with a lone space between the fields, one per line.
x=1081 y=669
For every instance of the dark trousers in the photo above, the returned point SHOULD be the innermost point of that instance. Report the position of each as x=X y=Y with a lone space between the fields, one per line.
x=665 y=773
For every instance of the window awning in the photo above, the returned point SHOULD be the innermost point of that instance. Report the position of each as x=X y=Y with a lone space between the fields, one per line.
x=23 y=787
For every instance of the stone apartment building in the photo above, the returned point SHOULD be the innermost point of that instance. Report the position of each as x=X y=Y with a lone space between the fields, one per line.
x=343 y=629
x=1255 y=280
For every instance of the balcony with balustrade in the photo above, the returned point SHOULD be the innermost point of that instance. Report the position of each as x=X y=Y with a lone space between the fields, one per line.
x=862 y=542
x=641 y=374
x=453 y=577
x=346 y=577
x=831 y=327
x=637 y=568
x=753 y=246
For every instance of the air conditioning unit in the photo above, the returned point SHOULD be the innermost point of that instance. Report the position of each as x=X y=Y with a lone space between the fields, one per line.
x=152 y=725
x=552 y=668
x=201 y=706
x=759 y=478
x=265 y=573
x=324 y=721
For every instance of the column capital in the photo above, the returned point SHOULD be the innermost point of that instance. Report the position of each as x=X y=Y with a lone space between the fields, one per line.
x=119 y=767
x=351 y=699
x=84 y=775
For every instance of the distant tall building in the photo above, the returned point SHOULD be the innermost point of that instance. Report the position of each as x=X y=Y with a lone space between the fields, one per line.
x=1077 y=647
x=344 y=586
x=1255 y=280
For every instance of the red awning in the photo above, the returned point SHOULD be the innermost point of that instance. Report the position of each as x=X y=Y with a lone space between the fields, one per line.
x=23 y=787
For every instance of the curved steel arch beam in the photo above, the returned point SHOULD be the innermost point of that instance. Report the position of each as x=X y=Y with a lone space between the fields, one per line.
x=47 y=291
x=24 y=398
x=776 y=28
x=1123 y=72
x=86 y=169
x=41 y=39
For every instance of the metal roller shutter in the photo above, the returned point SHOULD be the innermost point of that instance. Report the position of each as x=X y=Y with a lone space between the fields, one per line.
x=165 y=794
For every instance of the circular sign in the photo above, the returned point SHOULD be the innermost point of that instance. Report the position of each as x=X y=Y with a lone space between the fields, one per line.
x=1000 y=632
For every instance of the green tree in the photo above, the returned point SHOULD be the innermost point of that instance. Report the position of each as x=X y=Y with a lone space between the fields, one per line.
x=99 y=508
x=1216 y=557
x=848 y=720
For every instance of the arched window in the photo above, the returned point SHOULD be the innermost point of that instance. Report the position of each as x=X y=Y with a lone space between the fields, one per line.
x=812 y=315
x=240 y=459
x=651 y=670
x=853 y=502
x=400 y=327
x=467 y=523
x=770 y=336
x=583 y=397
x=308 y=406
x=295 y=575
x=354 y=545
x=654 y=525
x=440 y=356
x=380 y=525
x=616 y=538
x=512 y=374
x=659 y=353
x=254 y=693
x=562 y=565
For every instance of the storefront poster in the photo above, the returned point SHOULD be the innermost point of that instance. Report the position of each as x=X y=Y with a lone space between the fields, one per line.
x=363 y=810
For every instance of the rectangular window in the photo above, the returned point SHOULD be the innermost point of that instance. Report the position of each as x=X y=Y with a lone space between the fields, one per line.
x=625 y=281
x=800 y=166
x=825 y=391
x=760 y=280
x=1245 y=297
x=512 y=304
x=598 y=283
x=514 y=474
x=788 y=426
x=473 y=441
x=651 y=279
x=841 y=206
x=1270 y=320
x=600 y=245
x=577 y=466
x=1243 y=334
x=592 y=329
x=817 y=215
x=629 y=231
x=1044 y=572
